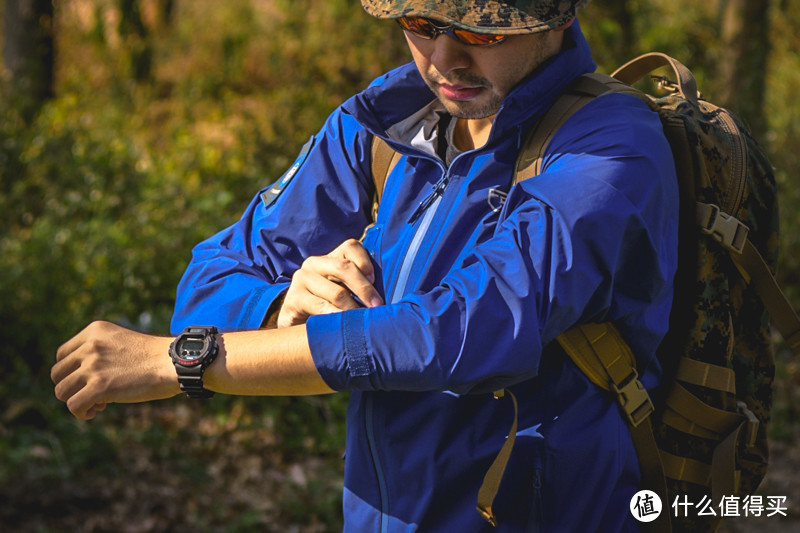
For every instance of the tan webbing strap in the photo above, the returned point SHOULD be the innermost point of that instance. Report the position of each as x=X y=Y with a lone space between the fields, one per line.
x=652 y=471
x=383 y=159
x=732 y=234
x=722 y=476
x=637 y=68
x=606 y=359
x=686 y=469
x=780 y=310
x=493 y=477
x=603 y=355
x=724 y=479
x=715 y=377
x=582 y=91
x=689 y=414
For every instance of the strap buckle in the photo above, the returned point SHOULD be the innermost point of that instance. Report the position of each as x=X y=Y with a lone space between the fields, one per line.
x=634 y=400
x=726 y=229
x=665 y=84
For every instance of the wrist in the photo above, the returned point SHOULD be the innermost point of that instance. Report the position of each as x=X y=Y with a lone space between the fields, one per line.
x=166 y=376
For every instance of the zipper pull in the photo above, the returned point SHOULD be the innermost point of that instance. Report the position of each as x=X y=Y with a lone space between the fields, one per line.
x=436 y=190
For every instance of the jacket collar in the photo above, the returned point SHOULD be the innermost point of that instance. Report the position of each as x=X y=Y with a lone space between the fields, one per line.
x=399 y=94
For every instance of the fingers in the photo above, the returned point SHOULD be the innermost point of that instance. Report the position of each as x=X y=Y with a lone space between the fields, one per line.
x=105 y=363
x=75 y=391
x=312 y=294
x=72 y=372
x=83 y=404
x=62 y=369
x=355 y=270
x=322 y=294
x=352 y=250
x=340 y=280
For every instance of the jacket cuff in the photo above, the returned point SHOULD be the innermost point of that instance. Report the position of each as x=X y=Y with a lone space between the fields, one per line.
x=339 y=349
x=260 y=301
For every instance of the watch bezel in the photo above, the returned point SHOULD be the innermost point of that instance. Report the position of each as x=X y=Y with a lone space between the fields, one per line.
x=179 y=356
x=190 y=371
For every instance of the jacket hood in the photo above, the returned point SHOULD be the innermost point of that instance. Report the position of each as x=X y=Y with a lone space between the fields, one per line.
x=400 y=93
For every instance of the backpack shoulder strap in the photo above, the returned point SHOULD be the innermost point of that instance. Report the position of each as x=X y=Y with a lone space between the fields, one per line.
x=639 y=67
x=579 y=93
x=782 y=314
x=383 y=158
x=601 y=353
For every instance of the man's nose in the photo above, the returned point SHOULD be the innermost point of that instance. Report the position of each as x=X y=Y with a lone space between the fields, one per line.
x=448 y=54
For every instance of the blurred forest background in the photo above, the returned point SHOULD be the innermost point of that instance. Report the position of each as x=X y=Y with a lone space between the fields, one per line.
x=132 y=129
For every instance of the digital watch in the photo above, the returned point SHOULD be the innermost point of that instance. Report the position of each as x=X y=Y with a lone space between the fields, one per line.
x=191 y=352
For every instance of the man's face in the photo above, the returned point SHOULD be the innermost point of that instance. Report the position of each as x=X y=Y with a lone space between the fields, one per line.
x=472 y=81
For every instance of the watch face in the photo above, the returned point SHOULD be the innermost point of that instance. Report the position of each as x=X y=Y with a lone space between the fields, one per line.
x=191 y=350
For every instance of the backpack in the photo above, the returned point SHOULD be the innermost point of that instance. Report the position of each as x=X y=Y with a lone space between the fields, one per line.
x=703 y=437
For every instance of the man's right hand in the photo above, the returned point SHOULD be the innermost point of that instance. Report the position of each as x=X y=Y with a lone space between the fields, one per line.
x=326 y=284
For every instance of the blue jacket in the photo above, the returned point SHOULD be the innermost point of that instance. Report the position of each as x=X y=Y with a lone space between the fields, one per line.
x=475 y=297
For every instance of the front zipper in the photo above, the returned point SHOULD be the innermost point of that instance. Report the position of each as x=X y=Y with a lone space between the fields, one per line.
x=427 y=206
x=369 y=415
x=436 y=192
x=535 y=516
x=427 y=209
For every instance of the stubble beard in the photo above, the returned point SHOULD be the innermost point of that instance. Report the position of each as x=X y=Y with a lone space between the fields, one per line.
x=486 y=105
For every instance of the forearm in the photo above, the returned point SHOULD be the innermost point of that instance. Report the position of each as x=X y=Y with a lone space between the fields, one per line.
x=106 y=363
x=265 y=362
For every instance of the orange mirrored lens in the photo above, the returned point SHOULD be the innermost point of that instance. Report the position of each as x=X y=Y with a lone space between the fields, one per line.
x=427 y=29
x=419 y=26
x=470 y=37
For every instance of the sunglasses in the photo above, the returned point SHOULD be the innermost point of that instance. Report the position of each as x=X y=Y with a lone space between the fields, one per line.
x=428 y=29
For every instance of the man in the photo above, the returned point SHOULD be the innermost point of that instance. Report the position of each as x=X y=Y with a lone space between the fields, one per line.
x=448 y=296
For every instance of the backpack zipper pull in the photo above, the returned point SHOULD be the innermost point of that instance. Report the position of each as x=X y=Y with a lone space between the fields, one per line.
x=436 y=190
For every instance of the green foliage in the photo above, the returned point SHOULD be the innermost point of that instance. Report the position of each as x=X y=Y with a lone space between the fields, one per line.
x=102 y=196
x=107 y=190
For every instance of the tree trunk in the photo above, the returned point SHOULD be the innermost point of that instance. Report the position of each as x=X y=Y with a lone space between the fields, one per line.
x=28 y=51
x=137 y=36
x=621 y=12
x=743 y=66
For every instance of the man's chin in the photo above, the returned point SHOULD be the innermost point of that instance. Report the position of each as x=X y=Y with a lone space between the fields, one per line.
x=471 y=109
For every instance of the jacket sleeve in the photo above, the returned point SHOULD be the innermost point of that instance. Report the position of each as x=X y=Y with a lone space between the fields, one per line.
x=322 y=200
x=594 y=237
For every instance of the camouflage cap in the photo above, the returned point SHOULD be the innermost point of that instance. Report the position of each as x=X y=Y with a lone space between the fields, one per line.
x=486 y=16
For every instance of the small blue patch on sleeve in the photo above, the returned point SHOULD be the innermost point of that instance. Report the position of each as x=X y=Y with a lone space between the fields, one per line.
x=269 y=196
